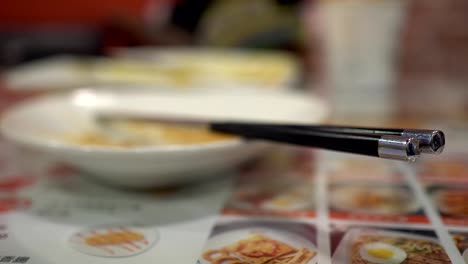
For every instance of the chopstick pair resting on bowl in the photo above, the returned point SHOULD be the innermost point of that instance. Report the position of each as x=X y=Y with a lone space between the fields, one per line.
x=388 y=143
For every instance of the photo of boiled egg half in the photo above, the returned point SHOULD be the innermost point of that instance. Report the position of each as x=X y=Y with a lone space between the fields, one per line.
x=382 y=253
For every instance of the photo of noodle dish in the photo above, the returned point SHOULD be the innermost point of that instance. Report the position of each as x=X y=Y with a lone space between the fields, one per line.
x=365 y=246
x=461 y=241
x=258 y=246
x=361 y=168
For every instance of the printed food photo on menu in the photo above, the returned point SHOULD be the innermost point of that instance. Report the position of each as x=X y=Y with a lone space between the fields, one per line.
x=461 y=241
x=273 y=198
x=286 y=190
x=357 y=245
x=451 y=202
x=452 y=168
x=260 y=242
x=114 y=240
x=375 y=202
x=345 y=168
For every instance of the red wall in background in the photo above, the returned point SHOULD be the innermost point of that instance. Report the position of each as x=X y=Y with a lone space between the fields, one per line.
x=434 y=59
x=435 y=41
x=26 y=13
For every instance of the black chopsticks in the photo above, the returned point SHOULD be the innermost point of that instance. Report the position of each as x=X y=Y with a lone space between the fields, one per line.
x=389 y=143
x=431 y=141
x=400 y=144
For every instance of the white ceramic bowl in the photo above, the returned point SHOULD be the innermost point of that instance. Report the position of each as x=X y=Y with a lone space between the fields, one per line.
x=41 y=124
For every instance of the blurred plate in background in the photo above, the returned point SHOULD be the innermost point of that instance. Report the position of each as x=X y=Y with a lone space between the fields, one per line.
x=182 y=68
x=231 y=68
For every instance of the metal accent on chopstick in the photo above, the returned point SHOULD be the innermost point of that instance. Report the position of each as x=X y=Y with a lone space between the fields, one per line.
x=431 y=141
x=398 y=147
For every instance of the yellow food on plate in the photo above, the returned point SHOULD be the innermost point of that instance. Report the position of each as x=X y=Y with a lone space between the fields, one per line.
x=140 y=133
x=187 y=70
x=114 y=238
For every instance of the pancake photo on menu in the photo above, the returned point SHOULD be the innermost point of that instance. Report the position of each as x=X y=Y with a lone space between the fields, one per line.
x=260 y=242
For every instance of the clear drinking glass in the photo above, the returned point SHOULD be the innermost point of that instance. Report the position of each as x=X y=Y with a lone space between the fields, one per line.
x=361 y=39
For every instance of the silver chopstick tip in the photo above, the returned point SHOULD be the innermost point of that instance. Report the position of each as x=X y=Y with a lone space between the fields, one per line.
x=438 y=142
x=431 y=141
x=399 y=148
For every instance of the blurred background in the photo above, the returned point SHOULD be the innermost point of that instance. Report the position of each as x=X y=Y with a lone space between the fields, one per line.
x=408 y=58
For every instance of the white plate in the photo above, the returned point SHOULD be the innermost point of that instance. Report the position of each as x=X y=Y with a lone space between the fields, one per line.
x=229 y=238
x=41 y=124
x=56 y=72
x=160 y=68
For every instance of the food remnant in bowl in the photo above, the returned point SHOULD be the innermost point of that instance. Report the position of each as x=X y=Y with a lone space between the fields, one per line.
x=129 y=134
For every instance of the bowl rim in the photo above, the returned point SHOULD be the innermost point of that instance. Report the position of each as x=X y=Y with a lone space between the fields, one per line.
x=61 y=145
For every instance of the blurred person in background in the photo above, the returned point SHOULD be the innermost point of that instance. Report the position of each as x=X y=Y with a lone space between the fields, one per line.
x=231 y=23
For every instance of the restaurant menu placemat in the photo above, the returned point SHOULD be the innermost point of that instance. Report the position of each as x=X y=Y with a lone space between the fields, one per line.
x=324 y=207
x=293 y=206
x=53 y=214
